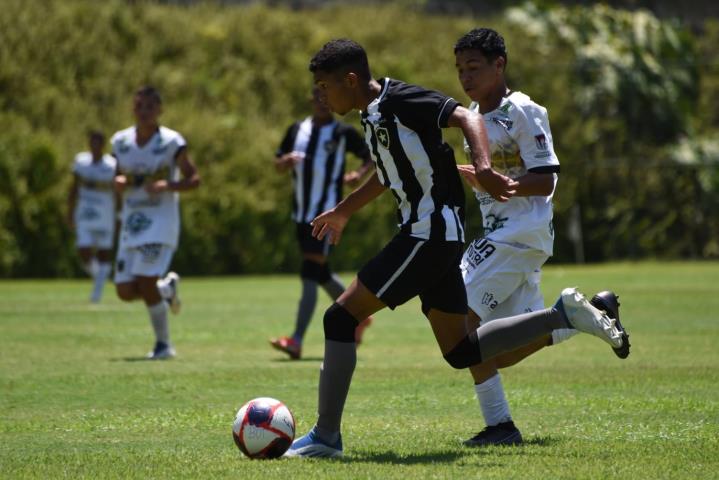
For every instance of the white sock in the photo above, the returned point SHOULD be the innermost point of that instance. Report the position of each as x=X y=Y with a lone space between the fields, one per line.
x=163 y=286
x=158 y=318
x=103 y=271
x=492 y=401
x=563 y=334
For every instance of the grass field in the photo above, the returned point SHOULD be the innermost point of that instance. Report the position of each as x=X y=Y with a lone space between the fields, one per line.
x=76 y=403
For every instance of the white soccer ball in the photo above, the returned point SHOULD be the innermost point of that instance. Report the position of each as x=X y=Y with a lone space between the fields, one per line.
x=264 y=428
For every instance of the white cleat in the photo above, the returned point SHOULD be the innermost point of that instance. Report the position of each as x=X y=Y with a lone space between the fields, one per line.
x=173 y=280
x=586 y=318
x=162 y=351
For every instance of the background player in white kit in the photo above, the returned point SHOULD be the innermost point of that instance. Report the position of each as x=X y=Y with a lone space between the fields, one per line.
x=153 y=166
x=501 y=270
x=91 y=210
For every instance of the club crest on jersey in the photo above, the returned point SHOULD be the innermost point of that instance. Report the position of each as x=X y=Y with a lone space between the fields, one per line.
x=137 y=223
x=541 y=141
x=330 y=146
x=383 y=137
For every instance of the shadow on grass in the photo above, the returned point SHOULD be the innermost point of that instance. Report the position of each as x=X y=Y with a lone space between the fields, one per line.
x=449 y=456
x=303 y=359
x=132 y=359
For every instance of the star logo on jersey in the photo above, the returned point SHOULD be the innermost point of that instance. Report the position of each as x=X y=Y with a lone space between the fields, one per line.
x=383 y=137
x=137 y=223
x=493 y=222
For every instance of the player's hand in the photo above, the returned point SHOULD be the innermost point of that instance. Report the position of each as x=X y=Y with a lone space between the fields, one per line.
x=288 y=160
x=120 y=183
x=158 y=186
x=467 y=173
x=352 y=178
x=331 y=223
x=500 y=187
x=70 y=219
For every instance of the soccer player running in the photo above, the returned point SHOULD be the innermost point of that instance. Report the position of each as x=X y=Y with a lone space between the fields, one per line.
x=502 y=269
x=153 y=166
x=314 y=150
x=402 y=125
x=91 y=210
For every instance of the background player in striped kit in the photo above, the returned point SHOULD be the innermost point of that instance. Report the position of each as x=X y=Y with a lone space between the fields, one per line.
x=91 y=210
x=502 y=269
x=314 y=151
x=153 y=166
x=402 y=126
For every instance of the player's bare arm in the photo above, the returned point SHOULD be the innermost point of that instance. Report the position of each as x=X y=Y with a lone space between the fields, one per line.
x=72 y=202
x=332 y=222
x=287 y=161
x=190 y=177
x=500 y=187
x=354 y=177
x=528 y=185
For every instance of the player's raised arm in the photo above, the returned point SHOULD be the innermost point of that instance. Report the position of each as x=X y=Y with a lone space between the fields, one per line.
x=501 y=188
x=332 y=222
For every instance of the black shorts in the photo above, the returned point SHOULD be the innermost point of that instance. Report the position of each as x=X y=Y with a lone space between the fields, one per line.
x=308 y=243
x=408 y=267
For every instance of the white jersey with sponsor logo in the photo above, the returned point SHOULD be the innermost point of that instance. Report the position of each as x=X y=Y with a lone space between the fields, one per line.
x=148 y=218
x=95 y=208
x=521 y=142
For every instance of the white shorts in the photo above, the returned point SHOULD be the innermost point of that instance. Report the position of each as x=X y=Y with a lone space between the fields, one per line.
x=502 y=280
x=149 y=260
x=94 y=238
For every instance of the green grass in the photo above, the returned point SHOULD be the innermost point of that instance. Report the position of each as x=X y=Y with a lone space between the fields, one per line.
x=74 y=403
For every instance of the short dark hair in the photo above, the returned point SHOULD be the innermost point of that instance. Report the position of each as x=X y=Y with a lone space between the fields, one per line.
x=486 y=40
x=93 y=133
x=149 y=91
x=341 y=55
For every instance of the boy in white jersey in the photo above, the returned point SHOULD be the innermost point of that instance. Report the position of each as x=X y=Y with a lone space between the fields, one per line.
x=91 y=210
x=153 y=166
x=314 y=151
x=501 y=270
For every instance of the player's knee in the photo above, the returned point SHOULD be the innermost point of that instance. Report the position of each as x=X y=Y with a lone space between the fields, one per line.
x=126 y=291
x=466 y=353
x=318 y=272
x=339 y=324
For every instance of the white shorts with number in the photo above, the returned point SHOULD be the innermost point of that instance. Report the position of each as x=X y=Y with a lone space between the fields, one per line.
x=149 y=260
x=94 y=238
x=502 y=280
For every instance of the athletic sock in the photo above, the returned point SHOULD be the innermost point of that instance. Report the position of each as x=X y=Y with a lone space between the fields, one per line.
x=103 y=271
x=492 y=401
x=158 y=318
x=306 y=309
x=334 y=287
x=563 y=334
x=335 y=378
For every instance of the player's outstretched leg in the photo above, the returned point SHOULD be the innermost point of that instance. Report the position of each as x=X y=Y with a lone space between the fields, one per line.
x=585 y=317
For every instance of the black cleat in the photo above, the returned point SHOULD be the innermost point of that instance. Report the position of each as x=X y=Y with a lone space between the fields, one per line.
x=504 y=433
x=609 y=303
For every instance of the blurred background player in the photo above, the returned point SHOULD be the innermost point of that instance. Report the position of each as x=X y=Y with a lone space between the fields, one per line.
x=314 y=151
x=91 y=210
x=153 y=166
x=502 y=269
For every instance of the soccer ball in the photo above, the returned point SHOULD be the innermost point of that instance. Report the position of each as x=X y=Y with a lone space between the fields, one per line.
x=263 y=428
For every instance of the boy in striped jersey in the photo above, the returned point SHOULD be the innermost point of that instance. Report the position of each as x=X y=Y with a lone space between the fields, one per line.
x=402 y=125
x=314 y=151
x=91 y=211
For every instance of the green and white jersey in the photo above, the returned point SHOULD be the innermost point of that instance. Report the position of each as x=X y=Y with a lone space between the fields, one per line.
x=148 y=218
x=521 y=142
x=95 y=208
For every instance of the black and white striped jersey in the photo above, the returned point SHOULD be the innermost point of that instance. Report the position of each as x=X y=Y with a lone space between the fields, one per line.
x=318 y=177
x=403 y=128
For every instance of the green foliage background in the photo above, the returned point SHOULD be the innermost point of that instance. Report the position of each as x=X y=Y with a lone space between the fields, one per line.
x=631 y=100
